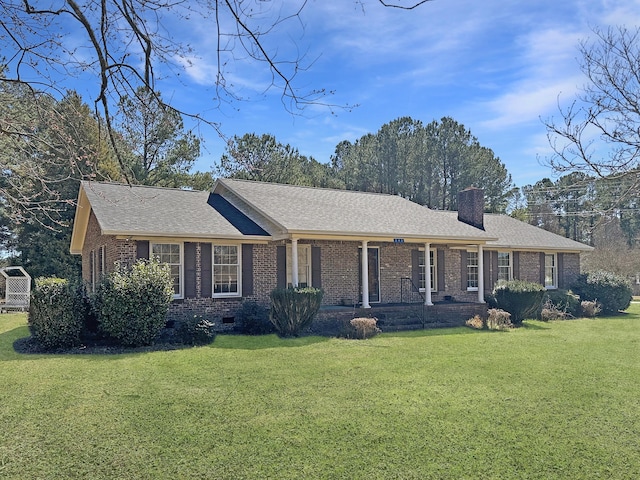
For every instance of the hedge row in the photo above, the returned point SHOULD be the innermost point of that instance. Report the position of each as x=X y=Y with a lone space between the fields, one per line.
x=129 y=308
x=592 y=292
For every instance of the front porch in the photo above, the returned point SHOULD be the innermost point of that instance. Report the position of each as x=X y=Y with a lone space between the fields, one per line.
x=399 y=316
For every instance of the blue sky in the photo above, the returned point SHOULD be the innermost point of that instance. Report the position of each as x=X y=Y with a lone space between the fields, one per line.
x=496 y=66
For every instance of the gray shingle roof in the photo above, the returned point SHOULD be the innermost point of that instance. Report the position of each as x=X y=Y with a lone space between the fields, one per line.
x=344 y=212
x=140 y=210
x=513 y=234
x=152 y=211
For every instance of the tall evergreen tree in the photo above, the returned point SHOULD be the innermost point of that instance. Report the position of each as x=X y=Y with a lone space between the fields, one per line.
x=160 y=152
x=263 y=158
x=428 y=164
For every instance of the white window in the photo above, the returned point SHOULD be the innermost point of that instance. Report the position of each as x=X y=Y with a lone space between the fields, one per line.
x=226 y=270
x=472 y=270
x=171 y=254
x=550 y=271
x=504 y=266
x=304 y=266
x=432 y=259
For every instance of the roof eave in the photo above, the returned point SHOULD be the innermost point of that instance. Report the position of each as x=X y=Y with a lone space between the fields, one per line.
x=184 y=235
x=385 y=235
x=541 y=248
x=80 y=222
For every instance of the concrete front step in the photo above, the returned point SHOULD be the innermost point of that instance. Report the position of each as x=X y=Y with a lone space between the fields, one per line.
x=331 y=320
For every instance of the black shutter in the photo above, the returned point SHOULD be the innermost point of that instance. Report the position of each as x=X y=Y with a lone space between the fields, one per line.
x=415 y=268
x=560 y=270
x=316 y=267
x=142 y=249
x=542 y=269
x=281 y=266
x=189 y=269
x=206 y=264
x=440 y=267
x=463 y=270
x=516 y=265
x=487 y=260
x=494 y=265
x=247 y=270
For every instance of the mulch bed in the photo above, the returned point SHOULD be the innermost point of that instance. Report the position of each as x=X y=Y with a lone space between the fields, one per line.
x=165 y=342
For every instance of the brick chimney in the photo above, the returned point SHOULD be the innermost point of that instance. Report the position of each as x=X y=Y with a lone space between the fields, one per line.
x=471 y=207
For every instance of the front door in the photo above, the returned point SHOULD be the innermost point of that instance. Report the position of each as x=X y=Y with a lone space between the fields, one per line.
x=373 y=254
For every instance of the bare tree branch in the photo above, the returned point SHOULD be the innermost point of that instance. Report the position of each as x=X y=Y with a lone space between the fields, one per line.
x=599 y=132
x=120 y=46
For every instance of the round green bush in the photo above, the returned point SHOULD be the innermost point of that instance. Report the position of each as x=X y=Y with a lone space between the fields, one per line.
x=56 y=313
x=612 y=292
x=520 y=298
x=132 y=304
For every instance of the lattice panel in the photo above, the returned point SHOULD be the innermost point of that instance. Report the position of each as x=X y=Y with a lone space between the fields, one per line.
x=18 y=291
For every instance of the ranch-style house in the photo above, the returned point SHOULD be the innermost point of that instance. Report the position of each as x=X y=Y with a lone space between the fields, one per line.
x=365 y=250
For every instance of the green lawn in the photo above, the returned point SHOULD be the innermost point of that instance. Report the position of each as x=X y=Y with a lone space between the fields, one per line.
x=556 y=400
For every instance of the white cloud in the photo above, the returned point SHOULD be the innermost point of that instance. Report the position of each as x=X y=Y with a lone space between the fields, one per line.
x=547 y=69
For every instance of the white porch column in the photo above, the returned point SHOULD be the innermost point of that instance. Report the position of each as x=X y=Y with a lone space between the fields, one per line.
x=294 y=262
x=480 y=275
x=427 y=274
x=365 y=274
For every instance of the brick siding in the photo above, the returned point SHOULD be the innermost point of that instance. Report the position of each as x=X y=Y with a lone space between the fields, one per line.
x=529 y=270
x=339 y=275
x=571 y=268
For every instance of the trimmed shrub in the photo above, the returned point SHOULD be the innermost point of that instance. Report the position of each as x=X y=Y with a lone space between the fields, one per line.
x=498 y=319
x=611 y=291
x=196 y=331
x=254 y=319
x=475 y=322
x=363 y=328
x=521 y=299
x=590 y=309
x=56 y=313
x=132 y=304
x=293 y=309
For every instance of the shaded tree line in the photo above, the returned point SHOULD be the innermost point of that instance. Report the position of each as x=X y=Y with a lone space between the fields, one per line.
x=48 y=146
x=428 y=164
x=593 y=210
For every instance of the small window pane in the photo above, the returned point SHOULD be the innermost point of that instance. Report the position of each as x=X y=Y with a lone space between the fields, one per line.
x=550 y=270
x=226 y=269
x=504 y=266
x=169 y=253
x=472 y=270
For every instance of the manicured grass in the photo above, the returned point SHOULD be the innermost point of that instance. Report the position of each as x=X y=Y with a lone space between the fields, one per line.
x=556 y=400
